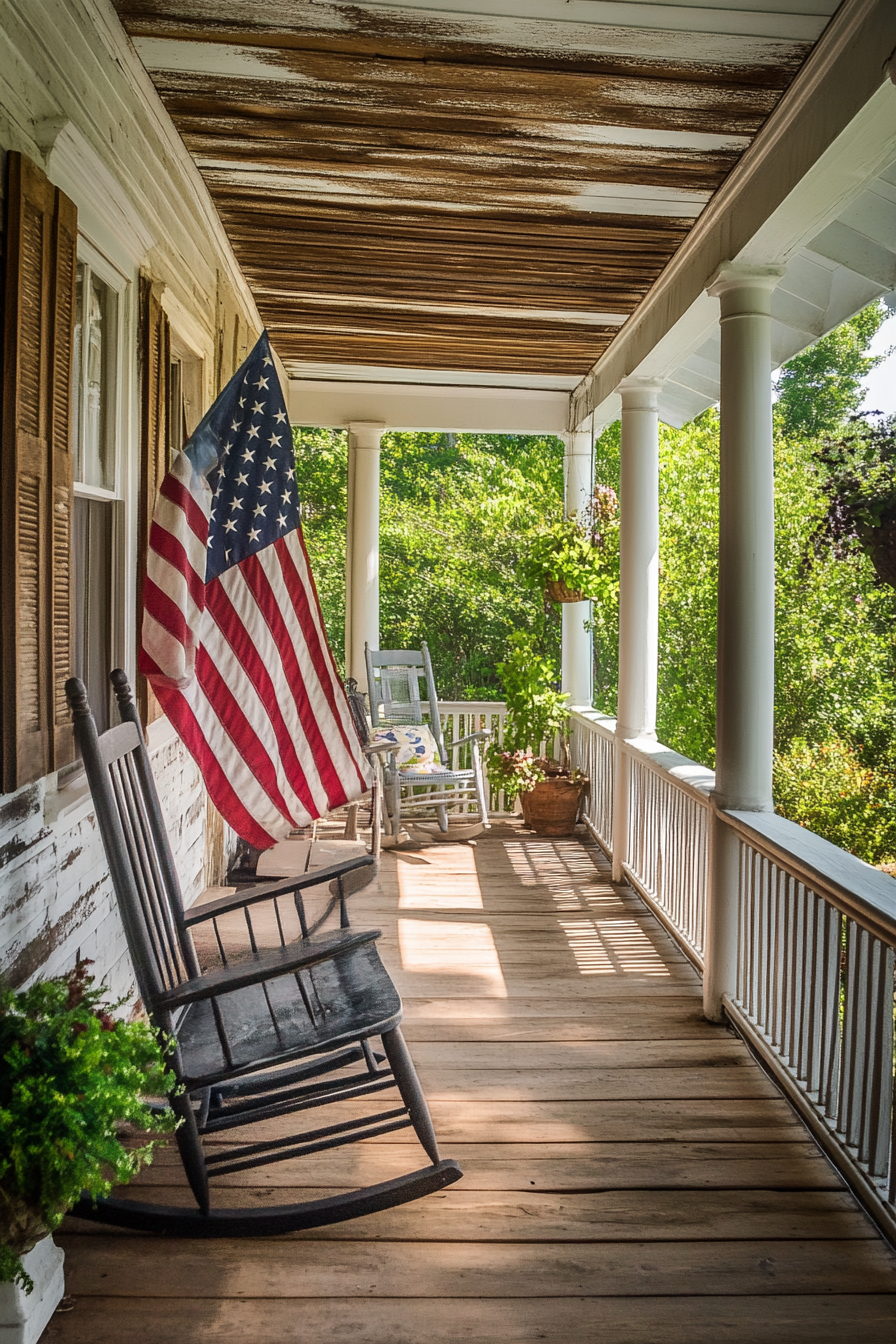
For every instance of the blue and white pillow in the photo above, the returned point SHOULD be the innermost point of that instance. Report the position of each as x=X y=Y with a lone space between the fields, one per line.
x=416 y=750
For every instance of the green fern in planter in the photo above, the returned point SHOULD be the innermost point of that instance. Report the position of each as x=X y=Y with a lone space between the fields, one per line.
x=71 y=1078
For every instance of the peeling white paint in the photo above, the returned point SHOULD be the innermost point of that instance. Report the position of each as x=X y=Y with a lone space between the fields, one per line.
x=416 y=190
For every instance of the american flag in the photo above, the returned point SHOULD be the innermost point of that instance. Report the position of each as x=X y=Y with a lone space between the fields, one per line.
x=233 y=641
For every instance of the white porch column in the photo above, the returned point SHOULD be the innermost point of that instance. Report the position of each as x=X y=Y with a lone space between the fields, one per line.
x=638 y=587
x=745 y=657
x=362 y=552
x=575 y=661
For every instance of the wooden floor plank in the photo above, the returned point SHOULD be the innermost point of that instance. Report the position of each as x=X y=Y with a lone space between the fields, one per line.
x=804 y=1319
x=480 y=1269
x=631 y=1175
x=561 y=1167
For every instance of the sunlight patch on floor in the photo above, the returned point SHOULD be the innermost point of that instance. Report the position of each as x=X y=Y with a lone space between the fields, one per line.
x=612 y=947
x=432 y=947
x=421 y=886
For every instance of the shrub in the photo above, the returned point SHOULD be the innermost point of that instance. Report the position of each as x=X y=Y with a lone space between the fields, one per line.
x=827 y=788
x=71 y=1077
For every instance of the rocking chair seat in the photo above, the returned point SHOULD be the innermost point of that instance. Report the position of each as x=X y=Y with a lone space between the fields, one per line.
x=352 y=994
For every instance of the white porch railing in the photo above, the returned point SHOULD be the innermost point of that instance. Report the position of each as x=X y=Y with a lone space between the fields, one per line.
x=460 y=717
x=816 y=953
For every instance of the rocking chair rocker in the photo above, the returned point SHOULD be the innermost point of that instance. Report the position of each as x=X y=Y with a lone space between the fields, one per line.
x=268 y=1033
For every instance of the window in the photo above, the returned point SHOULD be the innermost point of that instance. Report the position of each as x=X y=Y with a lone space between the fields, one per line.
x=99 y=301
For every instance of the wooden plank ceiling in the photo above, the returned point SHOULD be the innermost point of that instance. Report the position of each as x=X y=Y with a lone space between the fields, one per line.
x=413 y=187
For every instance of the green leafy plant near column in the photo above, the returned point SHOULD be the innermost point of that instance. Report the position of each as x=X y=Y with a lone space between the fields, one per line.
x=536 y=713
x=73 y=1082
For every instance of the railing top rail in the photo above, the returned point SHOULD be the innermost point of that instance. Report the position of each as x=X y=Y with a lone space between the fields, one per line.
x=692 y=778
x=852 y=886
x=472 y=707
x=592 y=718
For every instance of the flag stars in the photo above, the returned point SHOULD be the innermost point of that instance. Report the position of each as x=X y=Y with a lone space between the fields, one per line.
x=254 y=534
x=290 y=473
x=248 y=455
x=253 y=431
x=260 y=510
x=242 y=401
x=270 y=464
x=286 y=497
x=265 y=488
x=258 y=408
x=268 y=360
x=280 y=417
x=230 y=525
x=235 y=425
x=274 y=440
x=262 y=382
x=236 y=504
x=281 y=520
x=242 y=479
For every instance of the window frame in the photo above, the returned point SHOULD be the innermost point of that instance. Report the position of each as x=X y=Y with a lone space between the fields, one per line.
x=96 y=262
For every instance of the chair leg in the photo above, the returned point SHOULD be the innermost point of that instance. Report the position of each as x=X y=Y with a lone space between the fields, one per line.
x=402 y=1067
x=443 y=818
x=190 y=1147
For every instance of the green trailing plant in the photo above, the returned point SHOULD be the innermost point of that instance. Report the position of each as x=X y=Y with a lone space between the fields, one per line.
x=536 y=713
x=73 y=1079
x=576 y=552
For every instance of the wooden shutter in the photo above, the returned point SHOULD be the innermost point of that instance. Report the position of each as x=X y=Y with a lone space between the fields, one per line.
x=155 y=365
x=36 y=476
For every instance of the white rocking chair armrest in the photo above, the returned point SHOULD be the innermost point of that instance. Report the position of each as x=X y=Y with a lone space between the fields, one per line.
x=481 y=735
x=378 y=748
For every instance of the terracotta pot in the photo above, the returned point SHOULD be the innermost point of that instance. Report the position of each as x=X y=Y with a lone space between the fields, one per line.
x=551 y=808
x=557 y=591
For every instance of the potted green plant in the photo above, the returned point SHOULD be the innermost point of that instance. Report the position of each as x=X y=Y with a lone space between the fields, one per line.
x=73 y=1083
x=571 y=558
x=549 y=791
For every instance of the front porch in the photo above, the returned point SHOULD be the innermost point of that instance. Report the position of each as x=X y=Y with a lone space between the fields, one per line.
x=631 y=1173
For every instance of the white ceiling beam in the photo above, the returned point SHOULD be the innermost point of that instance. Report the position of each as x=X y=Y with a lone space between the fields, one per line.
x=437 y=409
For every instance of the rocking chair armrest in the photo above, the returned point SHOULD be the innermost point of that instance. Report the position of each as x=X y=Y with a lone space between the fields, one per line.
x=481 y=735
x=378 y=748
x=266 y=891
x=268 y=966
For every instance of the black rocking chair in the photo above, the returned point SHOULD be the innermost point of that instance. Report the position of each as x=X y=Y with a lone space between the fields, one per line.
x=267 y=1033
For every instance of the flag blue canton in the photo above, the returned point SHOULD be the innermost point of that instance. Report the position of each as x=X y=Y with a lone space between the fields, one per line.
x=256 y=500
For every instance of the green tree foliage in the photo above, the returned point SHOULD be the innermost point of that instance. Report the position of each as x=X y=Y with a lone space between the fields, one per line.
x=455 y=515
x=819 y=389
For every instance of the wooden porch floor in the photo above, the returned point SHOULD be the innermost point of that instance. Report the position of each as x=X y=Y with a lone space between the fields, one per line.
x=631 y=1175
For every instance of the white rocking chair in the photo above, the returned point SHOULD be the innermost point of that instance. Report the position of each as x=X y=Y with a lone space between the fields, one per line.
x=394 y=680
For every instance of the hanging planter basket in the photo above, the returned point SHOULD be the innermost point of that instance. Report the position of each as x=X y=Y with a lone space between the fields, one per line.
x=557 y=591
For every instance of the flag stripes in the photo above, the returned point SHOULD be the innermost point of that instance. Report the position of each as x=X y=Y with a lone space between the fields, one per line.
x=233 y=637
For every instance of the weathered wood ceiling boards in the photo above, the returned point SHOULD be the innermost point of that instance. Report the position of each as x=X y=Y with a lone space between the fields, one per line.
x=421 y=187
